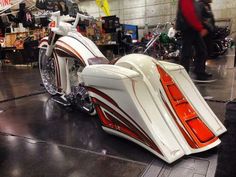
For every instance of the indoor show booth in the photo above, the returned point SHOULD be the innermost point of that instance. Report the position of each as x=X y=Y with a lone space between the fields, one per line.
x=98 y=88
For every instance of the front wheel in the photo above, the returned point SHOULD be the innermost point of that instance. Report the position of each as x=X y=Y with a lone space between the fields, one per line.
x=48 y=72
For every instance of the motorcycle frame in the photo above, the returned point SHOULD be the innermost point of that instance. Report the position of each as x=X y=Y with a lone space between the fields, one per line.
x=160 y=28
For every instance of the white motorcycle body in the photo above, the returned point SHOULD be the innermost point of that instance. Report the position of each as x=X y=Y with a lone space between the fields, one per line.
x=152 y=103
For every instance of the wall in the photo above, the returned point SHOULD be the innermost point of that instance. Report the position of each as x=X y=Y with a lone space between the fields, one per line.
x=225 y=9
x=151 y=12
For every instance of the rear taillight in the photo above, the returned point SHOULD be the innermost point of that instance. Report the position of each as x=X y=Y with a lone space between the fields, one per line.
x=200 y=134
x=200 y=130
x=175 y=92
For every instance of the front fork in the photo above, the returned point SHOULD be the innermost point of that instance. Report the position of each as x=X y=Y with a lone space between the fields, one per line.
x=151 y=42
x=52 y=39
x=65 y=75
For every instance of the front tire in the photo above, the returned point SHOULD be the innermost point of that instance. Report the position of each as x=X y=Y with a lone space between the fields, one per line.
x=47 y=70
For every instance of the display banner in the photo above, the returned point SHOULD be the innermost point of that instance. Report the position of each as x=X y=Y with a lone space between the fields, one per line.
x=4 y=4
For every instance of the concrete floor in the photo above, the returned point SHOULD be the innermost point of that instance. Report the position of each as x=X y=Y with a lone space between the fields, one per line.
x=39 y=138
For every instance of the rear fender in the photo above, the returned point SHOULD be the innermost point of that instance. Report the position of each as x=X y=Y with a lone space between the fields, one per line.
x=182 y=101
x=117 y=93
x=154 y=104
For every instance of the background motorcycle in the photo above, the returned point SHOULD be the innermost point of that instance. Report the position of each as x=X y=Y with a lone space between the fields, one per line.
x=161 y=45
x=221 y=41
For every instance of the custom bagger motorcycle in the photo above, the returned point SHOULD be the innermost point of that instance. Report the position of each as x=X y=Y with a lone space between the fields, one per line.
x=152 y=103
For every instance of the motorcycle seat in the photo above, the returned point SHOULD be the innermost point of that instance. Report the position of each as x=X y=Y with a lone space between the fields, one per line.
x=98 y=60
x=113 y=61
x=102 y=60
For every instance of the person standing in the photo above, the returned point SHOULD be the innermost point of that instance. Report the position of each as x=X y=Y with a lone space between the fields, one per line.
x=209 y=23
x=189 y=23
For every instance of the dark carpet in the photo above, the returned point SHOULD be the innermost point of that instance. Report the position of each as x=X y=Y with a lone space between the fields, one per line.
x=227 y=152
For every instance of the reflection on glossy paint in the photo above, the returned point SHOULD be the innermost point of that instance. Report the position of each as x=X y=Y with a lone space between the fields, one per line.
x=77 y=174
x=57 y=153
x=31 y=145
x=104 y=151
x=222 y=71
x=90 y=144
x=52 y=109
x=43 y=98
x=16 y=172
x=30 y=141
x=12 y=140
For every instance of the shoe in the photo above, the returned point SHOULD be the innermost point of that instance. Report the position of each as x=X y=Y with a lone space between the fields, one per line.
x=204 y=79
x=203 y=74
x=206 y=74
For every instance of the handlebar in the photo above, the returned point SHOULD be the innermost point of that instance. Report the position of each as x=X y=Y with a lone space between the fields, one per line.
x=82 y=17
x=79 y=16
x=161 y=27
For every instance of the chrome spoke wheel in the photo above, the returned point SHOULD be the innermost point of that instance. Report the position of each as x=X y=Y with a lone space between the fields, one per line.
x=48 y=72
